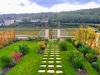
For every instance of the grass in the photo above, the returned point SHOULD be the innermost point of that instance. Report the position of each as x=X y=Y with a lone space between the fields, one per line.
x=89 y=68
x=68 y=68
x=29 y=64
x=87 y=65
x=50 y=46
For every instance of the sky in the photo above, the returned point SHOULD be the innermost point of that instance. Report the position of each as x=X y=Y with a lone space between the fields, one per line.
x=38 y=6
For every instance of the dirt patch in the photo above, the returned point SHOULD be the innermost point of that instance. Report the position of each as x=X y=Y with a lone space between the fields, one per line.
x=41 y=51
x=81 y=72
x=6 y=70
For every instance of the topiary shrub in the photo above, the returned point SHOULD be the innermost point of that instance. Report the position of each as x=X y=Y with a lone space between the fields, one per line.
x=24 y=49
x=62 y=45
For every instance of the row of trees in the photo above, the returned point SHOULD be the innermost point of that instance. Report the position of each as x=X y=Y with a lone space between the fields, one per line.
x=67 y=19
x=87 y=36
x=79 y=16
x=6 y=37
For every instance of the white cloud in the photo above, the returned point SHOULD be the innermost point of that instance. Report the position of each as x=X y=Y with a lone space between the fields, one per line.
x=12 y=6
x=71 y=7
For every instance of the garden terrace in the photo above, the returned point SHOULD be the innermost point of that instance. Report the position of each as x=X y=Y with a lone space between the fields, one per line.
x=52 y=61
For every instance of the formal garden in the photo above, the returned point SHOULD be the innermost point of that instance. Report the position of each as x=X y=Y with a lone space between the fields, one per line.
x=35 y=56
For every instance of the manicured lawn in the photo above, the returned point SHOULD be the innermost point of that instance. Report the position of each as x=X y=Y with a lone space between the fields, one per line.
x=68 y=68
x=87 y=65
x=29 y=64
x=50 y=46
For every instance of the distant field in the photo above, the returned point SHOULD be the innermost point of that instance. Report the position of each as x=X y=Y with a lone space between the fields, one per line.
x=35 y=31
x=24 y=31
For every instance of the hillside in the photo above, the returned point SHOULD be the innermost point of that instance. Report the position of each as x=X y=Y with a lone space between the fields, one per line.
x=79 y=16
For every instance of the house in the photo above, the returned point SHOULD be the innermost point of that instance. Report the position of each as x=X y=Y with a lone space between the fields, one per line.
x=35 y=20
x=1 y=24
x=8 y=21
x=18 y=20
x=44 y=20
x=39 y=20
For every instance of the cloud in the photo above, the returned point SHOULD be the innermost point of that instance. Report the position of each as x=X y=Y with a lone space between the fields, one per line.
x=50 y=3
x=71 y=7
x=87 y=1
x=22 y=4
x=14 y=7
x=25 y=6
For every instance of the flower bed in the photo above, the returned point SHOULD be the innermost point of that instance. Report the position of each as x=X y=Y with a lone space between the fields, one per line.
x=77 y=59
x=42 y=46
x=90 y=54
x=8 y=62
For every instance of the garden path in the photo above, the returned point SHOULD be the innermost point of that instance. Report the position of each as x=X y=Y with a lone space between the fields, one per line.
x=51 y=61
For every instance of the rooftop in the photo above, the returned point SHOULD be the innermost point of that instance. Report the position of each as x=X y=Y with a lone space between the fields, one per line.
x=8 y=18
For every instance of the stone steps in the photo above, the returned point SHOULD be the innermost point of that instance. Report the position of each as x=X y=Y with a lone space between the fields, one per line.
x=51 y=61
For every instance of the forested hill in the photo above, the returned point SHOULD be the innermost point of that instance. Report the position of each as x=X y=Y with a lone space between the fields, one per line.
x=79 y=16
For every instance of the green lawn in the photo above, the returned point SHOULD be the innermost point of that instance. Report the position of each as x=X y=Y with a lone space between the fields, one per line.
x=68 y=68
x=87 y=65
x=29 y=64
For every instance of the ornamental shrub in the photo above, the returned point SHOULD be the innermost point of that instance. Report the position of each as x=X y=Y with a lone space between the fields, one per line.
x=69 y=40
x=77 y=44
x=7 y=61
x=94 y=65
x=77 y=59
x=41 y=45
x=16 y=55
x=62 y=45
x=90 y=57
x=24 y=49
x=98 y=64
x=83 y=49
